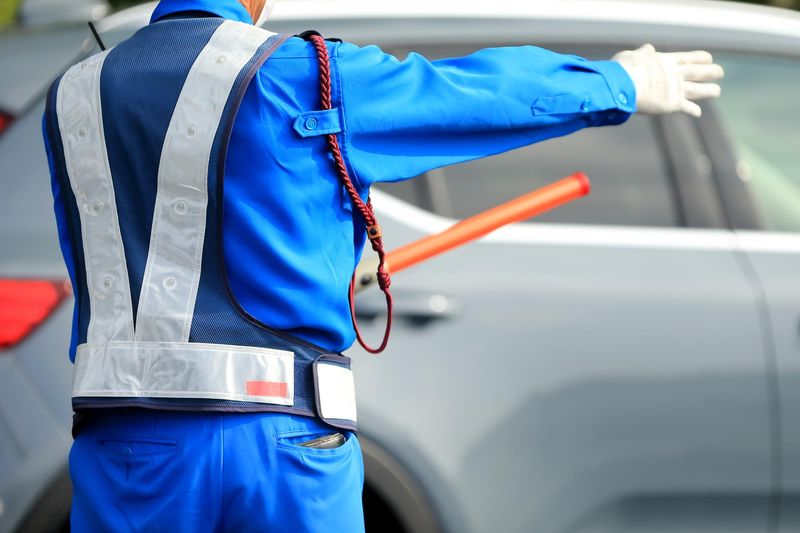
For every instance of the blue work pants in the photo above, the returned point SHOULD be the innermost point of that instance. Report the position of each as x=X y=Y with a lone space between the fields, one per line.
x=140 y=470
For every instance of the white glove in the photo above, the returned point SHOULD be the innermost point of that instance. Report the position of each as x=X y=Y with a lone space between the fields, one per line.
x=669 y=82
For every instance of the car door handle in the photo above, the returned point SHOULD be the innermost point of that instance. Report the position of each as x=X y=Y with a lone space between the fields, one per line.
x=417 y=307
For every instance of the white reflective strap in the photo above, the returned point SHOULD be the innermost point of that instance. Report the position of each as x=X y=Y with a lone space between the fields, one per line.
x=172 y=273
x=336 y=392
x=184 y=370
x=80 y=121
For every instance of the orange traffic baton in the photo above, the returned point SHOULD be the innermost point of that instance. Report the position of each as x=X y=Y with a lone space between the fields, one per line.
x=470 y=229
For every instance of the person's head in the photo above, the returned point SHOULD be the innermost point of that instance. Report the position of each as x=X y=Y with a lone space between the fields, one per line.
x=257 y=10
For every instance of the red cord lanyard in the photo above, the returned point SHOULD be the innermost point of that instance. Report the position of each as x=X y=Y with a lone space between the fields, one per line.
x=365 y=209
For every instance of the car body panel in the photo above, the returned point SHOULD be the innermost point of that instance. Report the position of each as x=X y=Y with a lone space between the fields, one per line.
x=35 y=381
x=616 y=396
x=775 y=259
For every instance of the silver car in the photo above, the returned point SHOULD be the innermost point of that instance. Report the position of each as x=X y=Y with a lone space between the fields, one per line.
x=628 y=363
x=47 y=34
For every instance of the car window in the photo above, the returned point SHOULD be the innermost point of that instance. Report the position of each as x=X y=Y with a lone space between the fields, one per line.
x=632 y=180
x=759 y=110
x=625 y=164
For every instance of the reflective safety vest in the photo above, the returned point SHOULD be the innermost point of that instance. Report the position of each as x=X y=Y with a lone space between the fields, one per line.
x=159 y=326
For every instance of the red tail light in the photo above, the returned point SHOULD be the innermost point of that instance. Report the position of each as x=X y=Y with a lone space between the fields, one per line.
x=5 y=121
x=25 y=304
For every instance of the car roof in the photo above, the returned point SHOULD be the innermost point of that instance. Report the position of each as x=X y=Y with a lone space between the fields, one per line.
x=403 y=25
x=700 y=14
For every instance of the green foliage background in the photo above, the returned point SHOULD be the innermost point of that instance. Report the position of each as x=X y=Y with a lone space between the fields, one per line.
x=8 y=11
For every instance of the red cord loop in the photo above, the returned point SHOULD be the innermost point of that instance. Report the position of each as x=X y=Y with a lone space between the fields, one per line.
x=364 y=209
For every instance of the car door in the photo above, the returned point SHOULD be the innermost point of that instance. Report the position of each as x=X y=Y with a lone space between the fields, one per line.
x=760 y=117
x=600 y=369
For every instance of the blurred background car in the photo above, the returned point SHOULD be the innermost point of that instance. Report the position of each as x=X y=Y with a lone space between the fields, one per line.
x=47 y=35
x=628 y=363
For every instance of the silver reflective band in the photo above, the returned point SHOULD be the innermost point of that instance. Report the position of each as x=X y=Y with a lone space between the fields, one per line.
x=336 y=392
x=184 y=370
x=80 y=122
x=172 y=273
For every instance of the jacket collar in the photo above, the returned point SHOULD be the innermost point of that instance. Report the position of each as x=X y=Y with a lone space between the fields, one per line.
x=227 y=9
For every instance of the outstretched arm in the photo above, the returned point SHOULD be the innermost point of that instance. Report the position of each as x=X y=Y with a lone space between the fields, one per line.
x=403 y=118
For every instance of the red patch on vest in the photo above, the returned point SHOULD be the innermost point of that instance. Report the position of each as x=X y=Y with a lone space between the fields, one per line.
x=268 y=388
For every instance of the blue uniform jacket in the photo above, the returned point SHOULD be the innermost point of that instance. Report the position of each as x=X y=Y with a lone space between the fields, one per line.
x=290 y=239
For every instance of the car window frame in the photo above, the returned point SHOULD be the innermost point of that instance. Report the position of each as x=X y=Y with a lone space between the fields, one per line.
x=699 y=196
x=738 y=201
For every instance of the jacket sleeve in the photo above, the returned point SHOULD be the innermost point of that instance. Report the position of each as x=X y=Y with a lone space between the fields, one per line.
x=403 y=118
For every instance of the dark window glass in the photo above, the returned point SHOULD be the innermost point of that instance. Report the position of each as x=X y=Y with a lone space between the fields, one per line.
x=632 y=181
x=631 y=184
x=759 y=108
x=409 y=190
